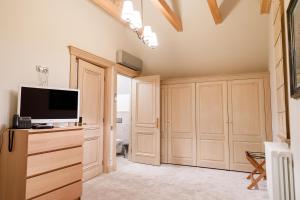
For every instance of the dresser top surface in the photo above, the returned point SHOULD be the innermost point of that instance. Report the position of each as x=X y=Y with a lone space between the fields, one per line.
x=33 y=131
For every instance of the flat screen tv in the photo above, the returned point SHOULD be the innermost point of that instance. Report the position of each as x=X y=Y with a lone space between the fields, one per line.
x=48 y=105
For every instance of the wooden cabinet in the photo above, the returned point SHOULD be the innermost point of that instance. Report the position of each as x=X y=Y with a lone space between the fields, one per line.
x=44 y=164
x=181 y=120
x=212 y=121
x=212 y=125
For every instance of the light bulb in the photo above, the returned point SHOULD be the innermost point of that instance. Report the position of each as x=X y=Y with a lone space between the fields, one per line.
x=136 y=20
x=147 y=34
x=153 y=41
x=127 y=10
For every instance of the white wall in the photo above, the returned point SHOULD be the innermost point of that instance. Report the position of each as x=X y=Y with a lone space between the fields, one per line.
x=38 y=32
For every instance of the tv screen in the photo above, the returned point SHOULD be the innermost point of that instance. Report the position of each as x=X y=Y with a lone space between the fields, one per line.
x=46 y=105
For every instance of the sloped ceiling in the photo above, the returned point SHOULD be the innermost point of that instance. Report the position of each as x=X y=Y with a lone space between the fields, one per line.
x=239 y=44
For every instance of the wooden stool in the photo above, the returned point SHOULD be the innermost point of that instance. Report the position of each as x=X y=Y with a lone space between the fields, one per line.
x=257 y=159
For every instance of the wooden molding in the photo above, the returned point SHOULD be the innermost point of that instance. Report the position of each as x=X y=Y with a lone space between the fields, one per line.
x=112 y=9
x=120 y=69
x=169 y=14
x=215 y=11
x=224 y=77
x=109 y=108
x=265 y=6
x=91 y=58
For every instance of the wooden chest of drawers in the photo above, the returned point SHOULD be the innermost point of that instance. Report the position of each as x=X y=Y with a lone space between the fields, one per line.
x=43 y=164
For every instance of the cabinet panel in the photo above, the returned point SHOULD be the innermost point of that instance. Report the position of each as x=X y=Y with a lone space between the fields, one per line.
x=278 y=50
x=212 y=125
x=164 y=124
x=277 y=26
x=246 y=120
x=46 y=162
x=69 y=192
x=280 y=75
x=39 y=143
x=211 y=151
x=281 y=99
x=181 y=130
x=47 y=182
x=239 y=156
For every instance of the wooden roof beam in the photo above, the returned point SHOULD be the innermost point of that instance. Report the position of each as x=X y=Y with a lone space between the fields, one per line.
x=265 y=6
x=111 y=8
x=215 y=11
x=169 y=14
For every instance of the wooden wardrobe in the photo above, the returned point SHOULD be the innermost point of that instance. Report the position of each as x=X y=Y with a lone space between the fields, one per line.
x=212 y=121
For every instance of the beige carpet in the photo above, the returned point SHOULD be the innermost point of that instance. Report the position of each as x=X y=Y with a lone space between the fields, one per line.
x=170 y=182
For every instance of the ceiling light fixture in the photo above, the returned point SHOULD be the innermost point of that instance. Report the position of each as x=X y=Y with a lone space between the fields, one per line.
x=135 y=21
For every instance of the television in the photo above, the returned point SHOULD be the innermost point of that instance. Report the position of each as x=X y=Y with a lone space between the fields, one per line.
x=48 y=105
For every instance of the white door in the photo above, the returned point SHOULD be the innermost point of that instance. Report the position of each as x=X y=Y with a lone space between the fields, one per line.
x=182 y=128
x=212 y=125
x=145 y=120
x=91 y=85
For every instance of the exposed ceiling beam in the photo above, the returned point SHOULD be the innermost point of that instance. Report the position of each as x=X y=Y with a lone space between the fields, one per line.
x=112 y=9
x=265 y=6
x=171 y=16
x=215 y=11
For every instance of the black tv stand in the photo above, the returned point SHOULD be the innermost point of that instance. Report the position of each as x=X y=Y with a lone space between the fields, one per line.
x=42 y=126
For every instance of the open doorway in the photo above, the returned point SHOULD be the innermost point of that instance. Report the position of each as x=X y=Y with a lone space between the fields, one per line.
x=123 y=126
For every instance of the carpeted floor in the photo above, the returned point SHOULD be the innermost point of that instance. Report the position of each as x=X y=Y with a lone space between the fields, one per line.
x=134 y=181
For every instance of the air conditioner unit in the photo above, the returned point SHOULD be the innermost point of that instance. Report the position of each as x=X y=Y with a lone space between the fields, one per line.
x=280 y=172
x=129 y=60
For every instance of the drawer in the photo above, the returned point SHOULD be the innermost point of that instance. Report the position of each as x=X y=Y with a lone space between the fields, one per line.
x=44 y=142
x=46 y=162
x=69 y=192
x=51 y=181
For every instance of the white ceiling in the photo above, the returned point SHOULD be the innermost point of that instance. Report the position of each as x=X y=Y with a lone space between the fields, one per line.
x=239 y=44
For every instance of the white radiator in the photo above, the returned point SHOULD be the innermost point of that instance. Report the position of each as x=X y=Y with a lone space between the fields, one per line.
x=280 y=175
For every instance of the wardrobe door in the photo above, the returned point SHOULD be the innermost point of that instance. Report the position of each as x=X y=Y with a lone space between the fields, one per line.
x=212 y=125
x=181 y=130
x=164 y=124
x=247 y=130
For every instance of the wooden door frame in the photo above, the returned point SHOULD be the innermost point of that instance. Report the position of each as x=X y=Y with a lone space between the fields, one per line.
x=110 y=87
x=125 y=71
